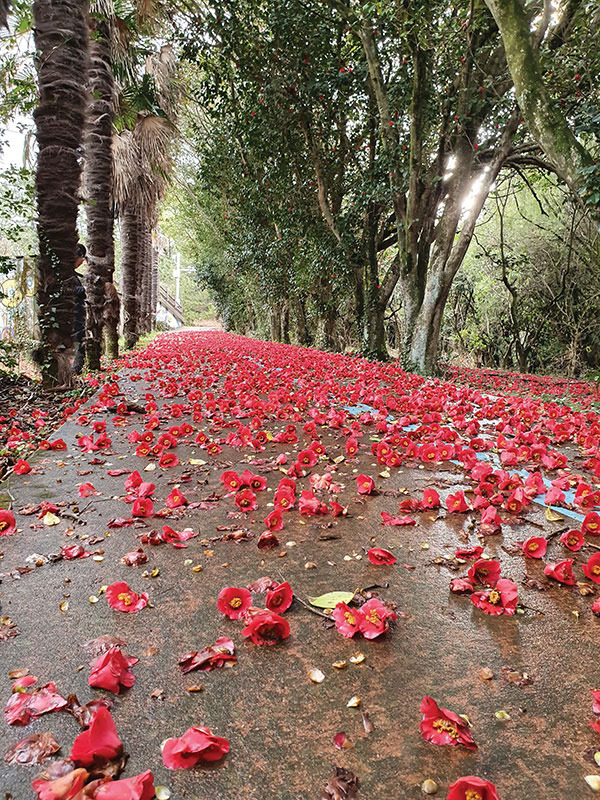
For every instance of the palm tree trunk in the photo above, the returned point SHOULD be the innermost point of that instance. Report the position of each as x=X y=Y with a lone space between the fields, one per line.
x=111 y=319
x=98 y=187
x=130 y=242
x=154 y=287
x=61 y=38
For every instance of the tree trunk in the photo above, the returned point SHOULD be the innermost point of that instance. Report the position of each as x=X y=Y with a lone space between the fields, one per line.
x=98 y=176
x=424 y=339
x=111 y=319
x=299 y=316
x=130 y=244
x=285 y=322
x=61 y=38
x=548 y=125
x=154 y=297
x=275 y=320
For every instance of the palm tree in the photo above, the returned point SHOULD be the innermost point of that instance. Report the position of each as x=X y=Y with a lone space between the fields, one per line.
x=4 y=9
x=142 y=165
x=98 y=182
x=142 y=162
x=61 y=36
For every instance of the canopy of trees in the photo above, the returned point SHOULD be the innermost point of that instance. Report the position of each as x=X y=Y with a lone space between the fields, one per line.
x=416 y=180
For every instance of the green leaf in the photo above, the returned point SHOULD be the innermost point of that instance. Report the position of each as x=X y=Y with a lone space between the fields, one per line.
x=331 y=599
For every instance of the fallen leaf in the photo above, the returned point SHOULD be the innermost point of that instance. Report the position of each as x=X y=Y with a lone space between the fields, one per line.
x=552 y=516
x=331 y=599
x=367 y=724
x=316 y=676
x=354 y=702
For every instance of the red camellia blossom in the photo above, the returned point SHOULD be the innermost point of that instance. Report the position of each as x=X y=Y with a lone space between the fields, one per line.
x=7 y=523
x=196 y=744
x=347 y=620
x=431 y=499
x=274 y=520
x=351 y=447
x=486 y=571
x=591 y=524
x=501 y=599
x=267 y=540
x=443 y=727
x=280 y=598
x=378 y=555
x=68 y=787
x=592 y=569
x=364 y=484
x=112 y=670
x=457 y=503
x=230 y=480
x=22 y=467
x=284 y=499
x=99 y=741
x=472 y=788
x=142 y=507
x=265 y=627
x=233 y=602
x=535 y=547
x=140 y=787
x=574 y=539
x=245 y=500
x=374 y=619
x=168 y=460
x=122 y=598
x=175 y=499
x=561 y=572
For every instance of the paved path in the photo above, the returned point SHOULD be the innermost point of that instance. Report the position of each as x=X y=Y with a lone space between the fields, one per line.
x=280 y=724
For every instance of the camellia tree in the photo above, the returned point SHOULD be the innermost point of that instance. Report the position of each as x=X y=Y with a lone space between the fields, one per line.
x=376 y=130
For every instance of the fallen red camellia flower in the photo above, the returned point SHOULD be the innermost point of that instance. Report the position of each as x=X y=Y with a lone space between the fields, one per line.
x=7 y=522
x=561 y=572
x=122 y=598
x=378 y=555
x=443 y=727
x=346 y=619
x=592 y=569
x=279 y=598
x=266 y=628
x=501 y=599
x=196 y=744
x=472 y=788
x=373 y=620
x=573 y=539
x=112 y=670
x=364 y=484
x=535 y=547
x=99 y=741
x=233 y=602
